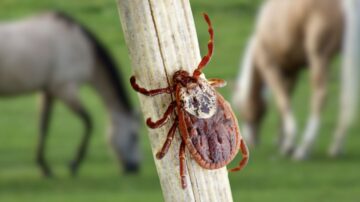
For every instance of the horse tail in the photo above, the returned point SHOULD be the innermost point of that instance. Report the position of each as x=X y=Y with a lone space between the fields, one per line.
x=351 y=62
x=113 y=73
x=243 y=82
x=349 y=75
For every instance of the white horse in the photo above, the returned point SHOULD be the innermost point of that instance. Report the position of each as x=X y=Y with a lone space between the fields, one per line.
x=53 y=54
x=290 y=35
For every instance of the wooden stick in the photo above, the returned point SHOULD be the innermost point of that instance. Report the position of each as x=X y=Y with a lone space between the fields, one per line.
x=161 y=38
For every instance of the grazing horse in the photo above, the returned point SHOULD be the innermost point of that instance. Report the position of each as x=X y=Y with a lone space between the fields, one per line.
x=289 y=36
x=53 y=54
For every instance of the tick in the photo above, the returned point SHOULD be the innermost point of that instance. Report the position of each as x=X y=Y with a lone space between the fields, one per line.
x=207 y=124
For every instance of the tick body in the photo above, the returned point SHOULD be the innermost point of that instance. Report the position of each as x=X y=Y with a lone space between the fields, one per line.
x=207 y=125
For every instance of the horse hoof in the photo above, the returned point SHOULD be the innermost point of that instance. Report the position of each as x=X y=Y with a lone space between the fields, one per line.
x=47 y=173
x=73 y=167
x=287 y=150
x=300 y=155
x=334 y=152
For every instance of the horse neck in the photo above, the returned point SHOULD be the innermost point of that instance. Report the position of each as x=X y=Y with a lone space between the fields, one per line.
x=113 y=94
x=257 y=89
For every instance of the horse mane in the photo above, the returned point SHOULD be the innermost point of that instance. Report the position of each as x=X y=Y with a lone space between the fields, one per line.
x=112 y=71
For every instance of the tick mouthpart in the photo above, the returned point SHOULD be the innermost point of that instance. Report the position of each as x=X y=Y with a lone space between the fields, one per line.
x=183 y=77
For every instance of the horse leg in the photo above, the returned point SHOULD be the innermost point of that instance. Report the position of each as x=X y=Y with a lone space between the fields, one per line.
x=290 y=80
x=318 y=73
x=339 y=137
x=275 y=81
x=45 y=115
x=318 y=54
x=71 y=99
x=82 y=148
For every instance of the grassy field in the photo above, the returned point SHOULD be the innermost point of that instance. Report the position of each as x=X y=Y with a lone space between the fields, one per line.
x=268 y=176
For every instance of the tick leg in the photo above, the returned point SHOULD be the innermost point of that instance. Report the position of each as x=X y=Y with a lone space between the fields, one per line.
x=182 y=164
x=244 y=160
x=146 y=92
x=207 y=57
x=170 y=137
x=163 y=119
x=217 y=83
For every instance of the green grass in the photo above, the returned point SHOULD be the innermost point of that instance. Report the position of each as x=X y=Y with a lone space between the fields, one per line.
x=268 y=177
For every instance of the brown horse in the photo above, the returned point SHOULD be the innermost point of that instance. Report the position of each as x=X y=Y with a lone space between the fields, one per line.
x=289 y=36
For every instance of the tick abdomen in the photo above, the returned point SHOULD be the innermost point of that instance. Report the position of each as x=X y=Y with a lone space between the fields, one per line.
x=213 y=142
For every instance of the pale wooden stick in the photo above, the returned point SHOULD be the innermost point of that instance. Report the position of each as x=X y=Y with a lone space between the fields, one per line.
x=161 y=38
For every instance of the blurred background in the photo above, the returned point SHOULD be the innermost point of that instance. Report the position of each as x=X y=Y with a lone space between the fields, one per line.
x=268 y=176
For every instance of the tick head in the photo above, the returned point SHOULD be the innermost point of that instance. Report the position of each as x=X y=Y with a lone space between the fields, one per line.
x=182 y=77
